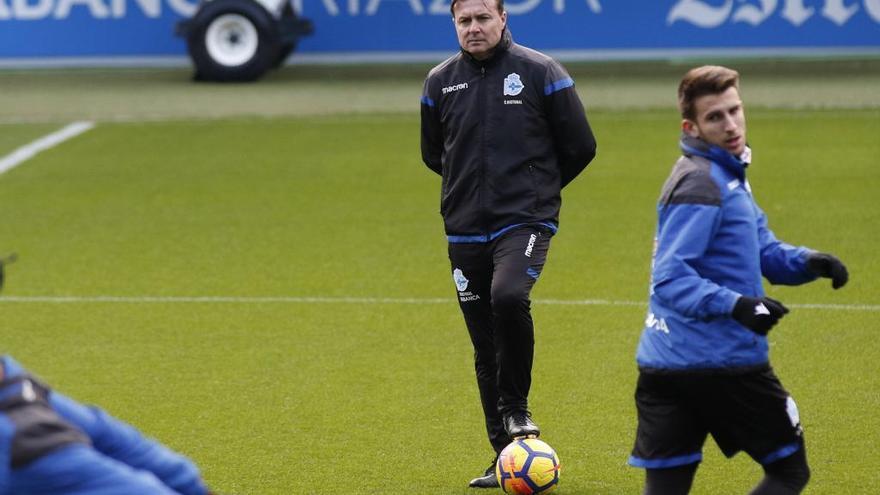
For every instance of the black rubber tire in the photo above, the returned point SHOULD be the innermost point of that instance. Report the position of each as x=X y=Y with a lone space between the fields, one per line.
x=283 y=53
x=286 y=47
x=268 y=46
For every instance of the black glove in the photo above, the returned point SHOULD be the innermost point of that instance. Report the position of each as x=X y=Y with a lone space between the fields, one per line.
x=758 y=315
x=828 y=266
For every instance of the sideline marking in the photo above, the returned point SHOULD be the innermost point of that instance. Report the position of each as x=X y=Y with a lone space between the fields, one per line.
x=354 y=300
x=28 y=151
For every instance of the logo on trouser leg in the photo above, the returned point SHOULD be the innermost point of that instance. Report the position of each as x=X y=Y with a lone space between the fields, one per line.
x=461 y=283
x=793 y=414
x=531 y=245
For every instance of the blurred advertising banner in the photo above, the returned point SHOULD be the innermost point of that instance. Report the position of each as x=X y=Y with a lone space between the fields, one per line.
x=370 y=30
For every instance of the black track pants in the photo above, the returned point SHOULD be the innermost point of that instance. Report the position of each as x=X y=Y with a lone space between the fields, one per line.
x=494 y=280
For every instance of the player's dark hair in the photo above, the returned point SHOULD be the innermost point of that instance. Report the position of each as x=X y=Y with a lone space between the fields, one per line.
x=705 y=80
x=499 y=2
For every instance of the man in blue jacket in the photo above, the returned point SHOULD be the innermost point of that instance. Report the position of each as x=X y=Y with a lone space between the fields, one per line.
x=703 y=357
x=53 y=445
x=505 y=129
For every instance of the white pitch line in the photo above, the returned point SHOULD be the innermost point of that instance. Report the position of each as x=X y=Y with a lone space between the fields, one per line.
x=354 y=300
x=28 y=151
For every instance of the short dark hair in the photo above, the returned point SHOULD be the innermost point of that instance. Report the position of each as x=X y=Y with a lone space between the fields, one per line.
x=701 y=81
x=499 y=2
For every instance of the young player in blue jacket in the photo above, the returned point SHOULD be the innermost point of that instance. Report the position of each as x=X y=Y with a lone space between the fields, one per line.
x=703 y=357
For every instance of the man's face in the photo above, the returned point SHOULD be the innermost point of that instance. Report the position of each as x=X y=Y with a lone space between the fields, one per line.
x=478 y=25
x=720 y=120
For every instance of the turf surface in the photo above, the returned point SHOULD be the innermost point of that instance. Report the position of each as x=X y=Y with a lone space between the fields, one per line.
x=357 y=377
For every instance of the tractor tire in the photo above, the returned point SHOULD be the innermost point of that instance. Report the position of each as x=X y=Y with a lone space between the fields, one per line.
x=233 y=40
x=283 y=54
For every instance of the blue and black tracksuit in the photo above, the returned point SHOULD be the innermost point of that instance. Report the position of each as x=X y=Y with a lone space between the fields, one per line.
x=505 y=134
x=701 y=371
x=51 y=444
x=713 y=245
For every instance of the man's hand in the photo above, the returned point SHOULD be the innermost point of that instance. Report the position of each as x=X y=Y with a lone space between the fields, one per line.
x=758 y=315
x=828 y=266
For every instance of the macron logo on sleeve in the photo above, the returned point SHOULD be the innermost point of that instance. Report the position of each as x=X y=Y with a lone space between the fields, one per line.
x=454 y=88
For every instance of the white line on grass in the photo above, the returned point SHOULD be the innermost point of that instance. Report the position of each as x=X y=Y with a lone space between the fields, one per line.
x=354 y=300
x=28 y=151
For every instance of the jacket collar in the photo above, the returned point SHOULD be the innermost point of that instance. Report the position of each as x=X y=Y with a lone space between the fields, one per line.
x=503 y=45
x=736 y=165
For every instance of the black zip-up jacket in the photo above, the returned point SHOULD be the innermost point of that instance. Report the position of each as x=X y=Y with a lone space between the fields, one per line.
x=506 y=134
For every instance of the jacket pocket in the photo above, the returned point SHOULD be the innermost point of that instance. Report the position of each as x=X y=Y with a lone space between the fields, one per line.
x=444 y=186
x=533 y=175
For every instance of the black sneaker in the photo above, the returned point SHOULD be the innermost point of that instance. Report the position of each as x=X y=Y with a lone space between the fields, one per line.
x=519 y=424
x=488 y=479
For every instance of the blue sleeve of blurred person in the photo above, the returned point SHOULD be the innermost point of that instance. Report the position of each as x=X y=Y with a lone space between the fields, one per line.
x=781 y=263
x=81 y=470
x=121 y=442
x=7 y=429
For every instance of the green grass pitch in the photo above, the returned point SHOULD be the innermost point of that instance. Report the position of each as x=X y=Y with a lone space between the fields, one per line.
x=310 y=342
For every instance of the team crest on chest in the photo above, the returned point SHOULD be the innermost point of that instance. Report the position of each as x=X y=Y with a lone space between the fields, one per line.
x=513 y=85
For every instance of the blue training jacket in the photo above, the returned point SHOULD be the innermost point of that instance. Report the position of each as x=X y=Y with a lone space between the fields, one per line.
x=712 y=245
x=52 y=444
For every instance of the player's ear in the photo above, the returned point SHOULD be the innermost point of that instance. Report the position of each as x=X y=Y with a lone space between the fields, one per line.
x=689 y=127
x=503 y=19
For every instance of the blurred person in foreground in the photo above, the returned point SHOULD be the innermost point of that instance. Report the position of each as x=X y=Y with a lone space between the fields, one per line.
x=53 y=445
x=703 y=355
x=505 y=129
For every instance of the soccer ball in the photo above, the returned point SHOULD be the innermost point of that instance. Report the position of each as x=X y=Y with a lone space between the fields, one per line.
x=527 y=466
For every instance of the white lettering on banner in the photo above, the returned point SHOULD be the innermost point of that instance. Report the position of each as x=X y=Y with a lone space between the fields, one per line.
x=183 y=7
x=353 y=7
x=838 y=12
x=97 y=9
x=558 y=6
x=27 y=12
x=521 y=8
x=32 y=10
x=373 y=6
x=701 y=14
x=439 y=7
x=796 y=13
x=873 y=8
x=754 y=15
x=435 y=7
x=151 y=8
x=330 y=5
